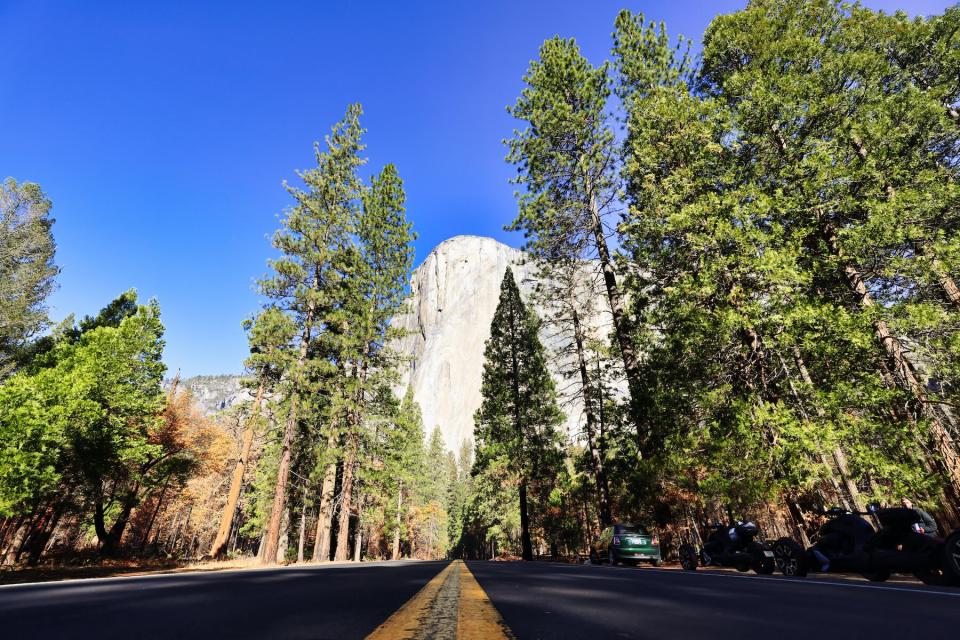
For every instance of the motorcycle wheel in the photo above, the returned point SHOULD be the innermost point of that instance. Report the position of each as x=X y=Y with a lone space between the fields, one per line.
x=880 y=575
x=594 y=557
x=790 y=558
x=688 y=557
x=934 y=577
x=762 y=564
x=951 y=557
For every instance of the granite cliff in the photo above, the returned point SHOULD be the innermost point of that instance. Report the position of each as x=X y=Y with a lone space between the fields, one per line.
x=453 y=296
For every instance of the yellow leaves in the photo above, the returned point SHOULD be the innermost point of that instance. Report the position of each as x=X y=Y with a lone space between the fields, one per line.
x=184 y=428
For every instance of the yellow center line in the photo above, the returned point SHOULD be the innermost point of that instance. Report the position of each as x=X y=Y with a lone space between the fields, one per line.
x=452 y=605
x=478 y=618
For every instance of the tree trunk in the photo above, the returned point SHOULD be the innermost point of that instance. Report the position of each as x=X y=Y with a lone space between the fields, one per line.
x=798 y=521
x=284 y=540
x=283 y=472
x=947 y=283
x=303 y=526
x=631 y=365
x=342 y=552
x=236 y=482
x=110 y=543
x=12 y=553
x=839 y=457
x=280 y=490
x=527 y=548
x=395 y=555
x=153 y=516
x=357 y=544
x=321 y=543
x=943 y=440
x=603 y=491
x=527 y=551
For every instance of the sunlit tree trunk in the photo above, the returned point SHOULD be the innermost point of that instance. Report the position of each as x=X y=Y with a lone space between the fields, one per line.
x=321 y=543
x=343 y=525
x=236 y=481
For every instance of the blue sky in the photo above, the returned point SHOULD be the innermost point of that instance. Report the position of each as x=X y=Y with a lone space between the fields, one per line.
x=162 y=131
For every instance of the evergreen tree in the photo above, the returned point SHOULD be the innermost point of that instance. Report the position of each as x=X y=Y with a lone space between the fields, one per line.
x=377 y=269
x=313 y=240
x=404 y=468
x=27 y=270
x=866 y=203
x=518 y=417
x=567 y=161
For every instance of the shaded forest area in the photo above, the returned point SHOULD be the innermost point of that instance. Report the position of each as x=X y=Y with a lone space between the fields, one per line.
x=771 y=221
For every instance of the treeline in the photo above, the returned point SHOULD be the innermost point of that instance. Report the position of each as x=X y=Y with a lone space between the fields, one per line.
x=774 y=224
x=345 y=472
x=100 y=456
x=87 y=433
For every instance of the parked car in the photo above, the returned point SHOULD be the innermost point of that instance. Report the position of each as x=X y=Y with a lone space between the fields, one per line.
x=626 y=543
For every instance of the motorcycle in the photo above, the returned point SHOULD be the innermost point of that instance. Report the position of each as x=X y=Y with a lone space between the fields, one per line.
x=731 y=546
x=847 y=542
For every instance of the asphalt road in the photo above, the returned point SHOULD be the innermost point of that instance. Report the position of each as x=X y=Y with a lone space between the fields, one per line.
x=535 y=601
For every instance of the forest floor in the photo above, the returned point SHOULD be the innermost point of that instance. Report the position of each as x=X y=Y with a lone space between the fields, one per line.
x=113 y=568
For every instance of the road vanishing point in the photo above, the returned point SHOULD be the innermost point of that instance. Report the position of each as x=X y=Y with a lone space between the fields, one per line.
x=465 y=600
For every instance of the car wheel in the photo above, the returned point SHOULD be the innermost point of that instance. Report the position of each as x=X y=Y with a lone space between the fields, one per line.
x=951 y=557
x=688 y=557
x=657 y=563
x=612 y=558
x=790 y=558
x=761 y=563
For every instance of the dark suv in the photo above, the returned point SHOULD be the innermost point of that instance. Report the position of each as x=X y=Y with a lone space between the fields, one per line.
x=627 y=543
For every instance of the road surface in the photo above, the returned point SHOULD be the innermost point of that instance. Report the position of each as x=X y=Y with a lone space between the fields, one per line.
x=476 y=599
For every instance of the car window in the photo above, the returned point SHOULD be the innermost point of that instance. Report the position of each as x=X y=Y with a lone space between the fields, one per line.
x=630 y=528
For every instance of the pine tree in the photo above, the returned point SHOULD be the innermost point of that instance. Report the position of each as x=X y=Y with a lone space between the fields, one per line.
x=404 y=467
x=518 y=417
x=27 y=270
x=378 y=266
x=314 y=238
x=866 y=202
x=567 y=161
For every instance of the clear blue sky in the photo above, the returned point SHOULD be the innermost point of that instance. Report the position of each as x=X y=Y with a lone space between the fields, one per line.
x=162 y=131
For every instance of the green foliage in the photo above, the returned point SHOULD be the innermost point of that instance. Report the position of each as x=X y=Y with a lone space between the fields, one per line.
x=27 y=270
x=515 y=428
x=90 y=420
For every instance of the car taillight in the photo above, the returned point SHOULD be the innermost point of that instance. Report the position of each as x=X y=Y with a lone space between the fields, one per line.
x=655 y=541
x=616 y=541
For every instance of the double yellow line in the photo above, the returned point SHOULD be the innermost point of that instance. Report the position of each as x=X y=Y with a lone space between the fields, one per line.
x=451 y=605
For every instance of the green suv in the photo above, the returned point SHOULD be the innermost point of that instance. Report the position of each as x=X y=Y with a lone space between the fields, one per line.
x=627 y=543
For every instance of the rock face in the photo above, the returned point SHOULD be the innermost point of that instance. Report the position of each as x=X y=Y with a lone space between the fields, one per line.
x=454 y=294
x=215 y=393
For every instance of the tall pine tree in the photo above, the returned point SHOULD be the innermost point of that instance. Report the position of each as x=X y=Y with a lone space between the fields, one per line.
x=518 y=418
